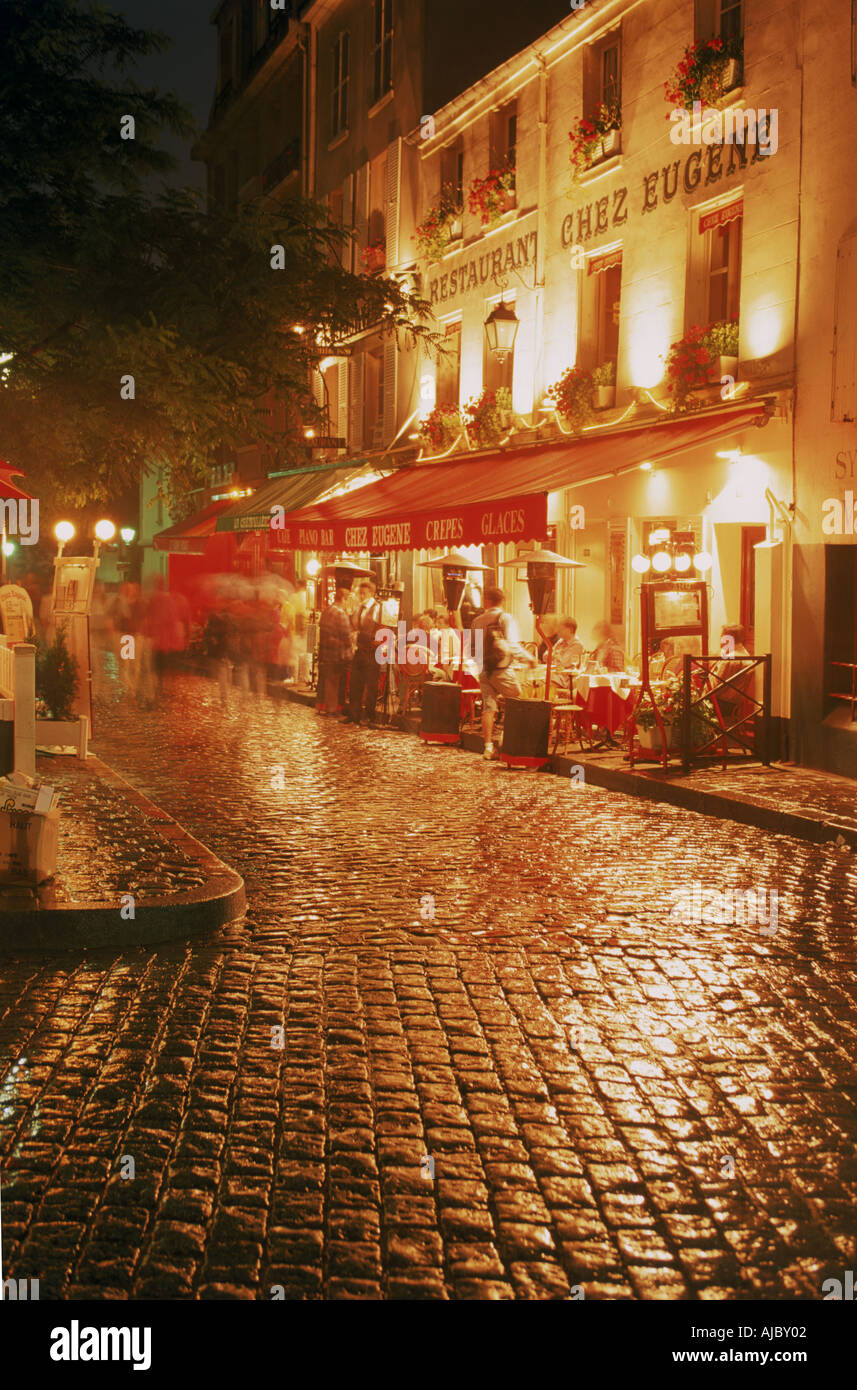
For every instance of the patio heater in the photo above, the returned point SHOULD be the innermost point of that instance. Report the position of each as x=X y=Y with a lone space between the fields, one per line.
x=542 y=566
x=454 y=567
x=526 y=738
x=442 y=703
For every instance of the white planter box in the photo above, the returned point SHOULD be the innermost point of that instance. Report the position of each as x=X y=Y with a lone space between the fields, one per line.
x=728 y=366
x=64 y=733
x=605 y=397
x=611 y=143
x=731 y=74
x=651 y=738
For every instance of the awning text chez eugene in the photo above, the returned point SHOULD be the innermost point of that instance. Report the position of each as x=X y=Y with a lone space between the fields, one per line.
x=513 y=519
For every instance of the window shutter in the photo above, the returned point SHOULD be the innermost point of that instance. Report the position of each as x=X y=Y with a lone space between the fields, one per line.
x=342 y=398
x=391 y=201
x=845 y=332
x=355 y=403
x=706 y=16
x=391 y=358
x=348 y=218
x=361 y=206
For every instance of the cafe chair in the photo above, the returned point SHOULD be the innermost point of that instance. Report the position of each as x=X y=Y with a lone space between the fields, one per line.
x=410 y=681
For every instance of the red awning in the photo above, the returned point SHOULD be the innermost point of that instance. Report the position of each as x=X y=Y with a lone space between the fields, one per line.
x=189 y=537
x=720 y=216
x=496 y=497
x=598 y=264
x=7 y=487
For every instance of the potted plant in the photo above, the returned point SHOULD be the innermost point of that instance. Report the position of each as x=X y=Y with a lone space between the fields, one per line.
x=57 y=682
x=438 y=227
x=708 y=70
x=486 y=417
x=594 y=138
x=604 y=380
x=572 y=397
x=722 y=341
x=491 y=197
x=442 y=427
x=374 y=257
x=688 y=367
x=668 y=696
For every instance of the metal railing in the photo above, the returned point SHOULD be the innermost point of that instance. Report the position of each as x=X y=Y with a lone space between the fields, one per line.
x=720 y=713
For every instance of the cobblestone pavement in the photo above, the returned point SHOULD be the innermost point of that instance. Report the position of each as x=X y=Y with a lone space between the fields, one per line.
x=608 y=1099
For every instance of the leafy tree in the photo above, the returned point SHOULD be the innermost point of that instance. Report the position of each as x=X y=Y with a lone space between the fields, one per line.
x=102 y=281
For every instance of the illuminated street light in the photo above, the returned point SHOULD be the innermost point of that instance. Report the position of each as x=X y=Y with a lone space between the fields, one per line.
x=682 y=562
x=641 y=564
x=64 y=532
x=127 y=533
x=105 y=530
x=703 y=561
x=501 y=328
x=313 y=567
x=9 y=547
x=661 y=561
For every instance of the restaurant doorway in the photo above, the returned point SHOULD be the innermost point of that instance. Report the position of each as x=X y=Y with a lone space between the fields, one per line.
x=751 y=536
x=840 y=624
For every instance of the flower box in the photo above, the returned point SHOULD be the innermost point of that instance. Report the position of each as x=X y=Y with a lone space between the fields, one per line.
x=605 y=397
x=611 y=144
x=731 y=74
x=727 y=366
x=650 y=738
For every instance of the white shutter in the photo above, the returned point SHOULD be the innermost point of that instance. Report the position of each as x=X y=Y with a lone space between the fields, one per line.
x=845 y=332
x=391 y=357
x=342 y=399
x=355 y=403
x=391 y=201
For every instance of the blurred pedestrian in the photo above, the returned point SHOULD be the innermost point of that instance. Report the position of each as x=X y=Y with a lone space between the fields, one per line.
x=335 y=648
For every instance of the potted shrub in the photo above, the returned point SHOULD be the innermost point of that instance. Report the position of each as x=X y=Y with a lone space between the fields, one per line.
x=604 y=380
x=374 y=257
x=57 y=682
x=487 y=417
x=491 y=197
x=442 y=427
x=439 y=225
x=708 y=70
x=722 y=341
x=594 y=138
x=688 y=367
x=572 y=397
x=669 y=698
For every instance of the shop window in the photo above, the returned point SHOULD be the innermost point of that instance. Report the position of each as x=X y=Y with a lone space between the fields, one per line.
x=382 y=48
x=723 y=277
x=339 y=86
x=448 y=382
x=840 y=624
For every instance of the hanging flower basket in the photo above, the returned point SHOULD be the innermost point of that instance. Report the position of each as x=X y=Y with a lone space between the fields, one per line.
x=435 y=232
x=573 y=398
x=490 y=198
x=709 y=69
x=594 y=138
x=442 y=427
x=487 y=417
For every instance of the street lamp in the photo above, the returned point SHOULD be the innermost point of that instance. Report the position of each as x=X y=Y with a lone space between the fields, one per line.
x=104 y=532
x=501 y=327
x=127 y=533
x=64 y=532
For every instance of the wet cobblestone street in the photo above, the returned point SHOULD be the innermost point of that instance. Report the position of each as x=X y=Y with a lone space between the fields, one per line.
x=505 y=1071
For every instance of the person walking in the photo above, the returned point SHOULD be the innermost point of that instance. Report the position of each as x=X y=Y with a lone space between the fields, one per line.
x=365 y=671
x=335 y=646
x=500 y=648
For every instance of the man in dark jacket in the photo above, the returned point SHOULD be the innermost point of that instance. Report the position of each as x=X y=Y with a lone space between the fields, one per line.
x=365 y=671
x=335 y=645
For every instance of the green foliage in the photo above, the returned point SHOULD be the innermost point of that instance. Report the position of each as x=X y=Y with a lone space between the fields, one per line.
x=57 y=677
x=722 y=338
x=604 y=375
x=100 y=279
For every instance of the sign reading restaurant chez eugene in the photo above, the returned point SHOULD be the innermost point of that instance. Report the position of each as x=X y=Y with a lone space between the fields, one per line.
x=510 y=519
x=518 y=251
x=702 y=167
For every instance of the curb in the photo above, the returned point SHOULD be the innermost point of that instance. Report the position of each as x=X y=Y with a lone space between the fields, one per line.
x=33 y=925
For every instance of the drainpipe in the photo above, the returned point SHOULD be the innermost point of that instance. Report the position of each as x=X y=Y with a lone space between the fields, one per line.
x=308 y=74
x=541 y=237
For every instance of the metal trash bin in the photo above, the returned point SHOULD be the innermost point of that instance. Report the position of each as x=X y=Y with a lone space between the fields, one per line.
x=526 y=733
x=441 y=712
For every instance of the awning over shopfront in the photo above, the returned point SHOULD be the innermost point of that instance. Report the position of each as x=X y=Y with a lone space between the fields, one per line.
x=291 y=491
x=497 y=497
x=188 y=537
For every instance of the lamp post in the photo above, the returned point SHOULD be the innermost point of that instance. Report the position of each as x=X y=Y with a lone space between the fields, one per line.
x=501 y=328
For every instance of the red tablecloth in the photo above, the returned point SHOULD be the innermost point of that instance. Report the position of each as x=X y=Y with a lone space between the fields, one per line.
x=604 y=709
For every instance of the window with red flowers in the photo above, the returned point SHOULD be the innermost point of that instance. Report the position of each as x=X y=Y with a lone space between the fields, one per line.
x=719 y=19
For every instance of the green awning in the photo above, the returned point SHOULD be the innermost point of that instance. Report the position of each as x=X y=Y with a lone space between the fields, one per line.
x=296 y=488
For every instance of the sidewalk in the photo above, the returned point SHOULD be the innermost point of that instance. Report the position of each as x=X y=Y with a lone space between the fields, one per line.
x=784 y=798
x=119 y=854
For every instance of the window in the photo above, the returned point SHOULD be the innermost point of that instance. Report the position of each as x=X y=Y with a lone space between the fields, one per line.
x=730 y=19
x=382 y=49
x=448 y=387
x=723 y=254
x=373 y=398
x=608 y=295
x=602 y=74
x=610 y=90
x=452 y=180
x=504 y=136
x=719 y=17
x=339 y=87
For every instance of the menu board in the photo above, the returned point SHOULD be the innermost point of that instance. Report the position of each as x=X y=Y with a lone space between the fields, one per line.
x=677 y=609
x=673 y=608
x=16 y=612
x=73 y=581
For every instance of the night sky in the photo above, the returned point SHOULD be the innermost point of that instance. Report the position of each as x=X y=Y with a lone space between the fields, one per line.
x=188 y=68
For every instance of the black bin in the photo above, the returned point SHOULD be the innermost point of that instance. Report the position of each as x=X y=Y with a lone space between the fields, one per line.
x=526 y=733
x=7 y=746
x=441 y=715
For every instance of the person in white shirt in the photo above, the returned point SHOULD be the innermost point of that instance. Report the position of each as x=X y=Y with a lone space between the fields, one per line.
x=500 y=648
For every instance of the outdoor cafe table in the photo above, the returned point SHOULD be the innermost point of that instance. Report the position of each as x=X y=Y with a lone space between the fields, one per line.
x=604 y=699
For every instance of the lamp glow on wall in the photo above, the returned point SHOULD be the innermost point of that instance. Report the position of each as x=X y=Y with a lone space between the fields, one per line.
x=501 y=329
